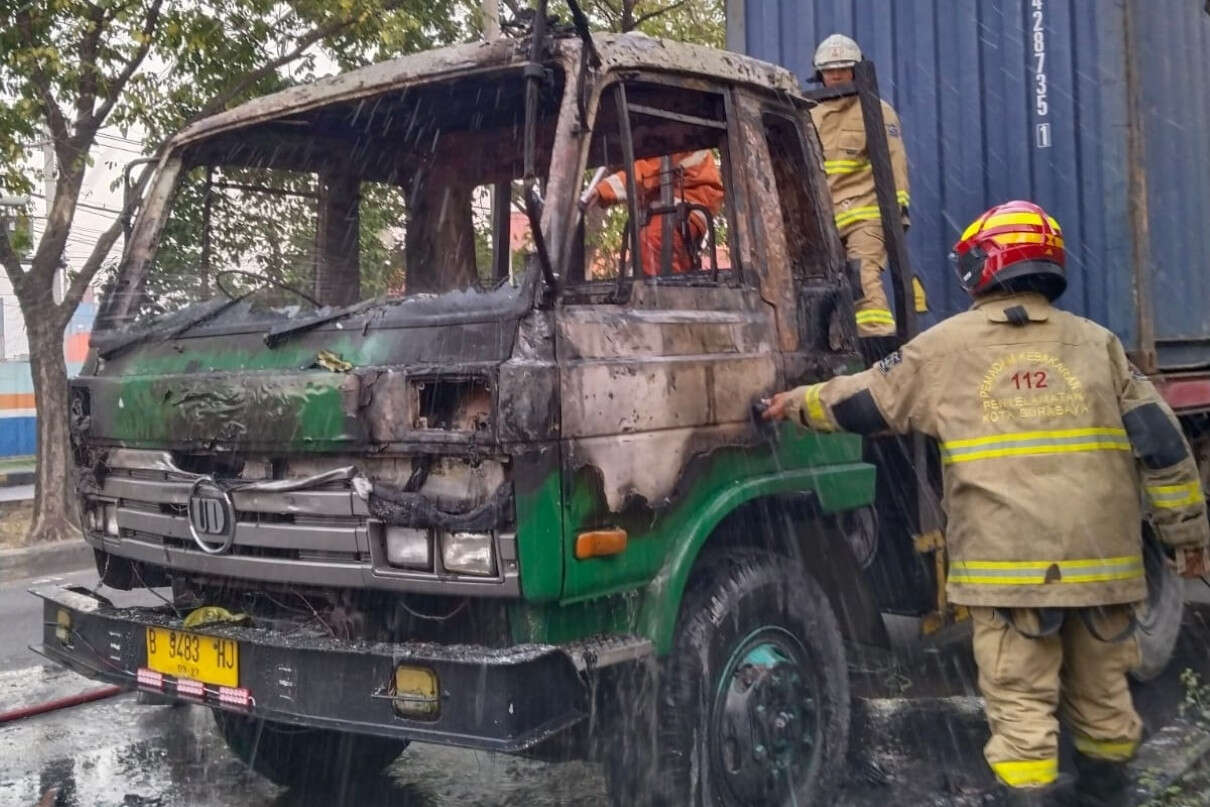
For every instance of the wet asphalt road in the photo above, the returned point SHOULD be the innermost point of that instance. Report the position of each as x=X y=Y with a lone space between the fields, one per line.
x=20 y=615
x=916 y=741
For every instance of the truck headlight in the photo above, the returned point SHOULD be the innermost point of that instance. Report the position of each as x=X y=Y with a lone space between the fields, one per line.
x=94 y=516
x=409 y=547
x=469 y=553
x=100 y=516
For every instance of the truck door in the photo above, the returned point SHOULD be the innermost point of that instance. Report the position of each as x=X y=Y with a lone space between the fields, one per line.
x=662 y=335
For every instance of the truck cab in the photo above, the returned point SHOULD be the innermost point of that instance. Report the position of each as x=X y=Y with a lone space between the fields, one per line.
x=428 y=449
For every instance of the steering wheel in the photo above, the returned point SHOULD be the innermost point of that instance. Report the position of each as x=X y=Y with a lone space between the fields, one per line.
x=262 y=281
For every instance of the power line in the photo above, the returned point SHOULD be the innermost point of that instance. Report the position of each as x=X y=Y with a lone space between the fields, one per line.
x=80 y=230
x=108 y=136
x=75 y=225
x=84 y=205
x=113 y=147
x=123 y=145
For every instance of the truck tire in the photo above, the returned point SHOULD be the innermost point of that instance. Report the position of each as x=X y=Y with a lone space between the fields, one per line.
x=753 y=698
x=1159 y=618
x=297 y=757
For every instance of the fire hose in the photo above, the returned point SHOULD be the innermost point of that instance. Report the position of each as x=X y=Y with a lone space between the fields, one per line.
x=60 y=703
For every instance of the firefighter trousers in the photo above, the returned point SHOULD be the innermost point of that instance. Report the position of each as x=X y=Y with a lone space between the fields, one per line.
x=864 y=242
x=1029 y=683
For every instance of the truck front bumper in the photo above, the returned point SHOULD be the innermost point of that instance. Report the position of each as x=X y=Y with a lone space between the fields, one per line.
x=487 y=698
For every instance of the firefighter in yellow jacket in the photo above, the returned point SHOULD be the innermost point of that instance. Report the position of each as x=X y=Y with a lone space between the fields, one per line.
x=1046 y=434
x=851 y=180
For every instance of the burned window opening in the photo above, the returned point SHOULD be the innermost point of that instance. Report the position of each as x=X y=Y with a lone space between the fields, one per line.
x=676 y=229
x=457 y=405
x=405 y=193
x=788 y=153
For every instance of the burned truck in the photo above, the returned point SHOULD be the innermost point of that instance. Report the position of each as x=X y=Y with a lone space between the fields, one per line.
x=427 y=451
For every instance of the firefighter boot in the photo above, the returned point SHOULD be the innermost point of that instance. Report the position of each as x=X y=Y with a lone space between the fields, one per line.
x=1057 y=794
x=1101 y=783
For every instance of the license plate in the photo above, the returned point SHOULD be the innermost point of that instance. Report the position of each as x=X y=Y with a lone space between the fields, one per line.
x=208 y=659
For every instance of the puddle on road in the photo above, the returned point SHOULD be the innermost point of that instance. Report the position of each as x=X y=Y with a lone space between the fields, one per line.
x=175 y=758
x=39 y=684
x=923 y=749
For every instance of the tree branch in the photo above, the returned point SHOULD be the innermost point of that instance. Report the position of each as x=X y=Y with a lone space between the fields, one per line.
x=89 y=71
x=653 y=14
x=101 y=249
x=55 y=119
x=113 y=87
x=59 y=217
x=611 y=13
x=219 y=102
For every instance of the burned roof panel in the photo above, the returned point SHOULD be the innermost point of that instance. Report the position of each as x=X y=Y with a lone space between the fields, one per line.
x=618 y=52
x=638 y=51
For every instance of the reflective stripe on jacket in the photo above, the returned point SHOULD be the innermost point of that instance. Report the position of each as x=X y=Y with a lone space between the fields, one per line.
x=1049 y=441
x=847 y=160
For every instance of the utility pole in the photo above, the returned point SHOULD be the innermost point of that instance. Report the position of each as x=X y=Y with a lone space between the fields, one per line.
x=49 y=172
x=9 y=205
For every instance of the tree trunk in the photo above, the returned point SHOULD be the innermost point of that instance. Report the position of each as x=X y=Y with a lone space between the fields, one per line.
x=54 y=504
x=628 y=22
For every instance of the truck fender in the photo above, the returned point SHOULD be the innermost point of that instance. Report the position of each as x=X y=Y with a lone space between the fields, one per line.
x=831 y=489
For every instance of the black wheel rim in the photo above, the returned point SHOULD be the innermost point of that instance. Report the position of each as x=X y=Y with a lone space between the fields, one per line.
x=765 y=739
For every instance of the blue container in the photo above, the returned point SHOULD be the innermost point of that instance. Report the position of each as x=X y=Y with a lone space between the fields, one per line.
x=1047 y=100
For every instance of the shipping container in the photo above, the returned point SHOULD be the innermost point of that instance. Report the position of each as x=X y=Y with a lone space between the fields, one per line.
x=1099 y=110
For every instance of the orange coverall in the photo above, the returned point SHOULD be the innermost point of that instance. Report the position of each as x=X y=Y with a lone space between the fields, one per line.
x=695 y=180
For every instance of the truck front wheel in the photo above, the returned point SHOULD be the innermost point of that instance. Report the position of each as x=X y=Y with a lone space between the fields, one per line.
x=296 y=757
x=754 y=698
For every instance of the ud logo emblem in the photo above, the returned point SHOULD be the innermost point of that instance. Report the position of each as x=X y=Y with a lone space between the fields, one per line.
x=211 y=516
x=208 y=515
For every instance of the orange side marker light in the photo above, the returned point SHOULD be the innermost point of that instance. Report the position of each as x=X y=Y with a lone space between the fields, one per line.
x=599 y=543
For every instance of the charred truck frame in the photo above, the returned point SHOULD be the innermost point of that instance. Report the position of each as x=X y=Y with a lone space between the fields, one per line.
x=485 y=512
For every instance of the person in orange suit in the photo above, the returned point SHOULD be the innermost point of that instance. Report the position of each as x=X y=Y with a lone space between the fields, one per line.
x=695 y=179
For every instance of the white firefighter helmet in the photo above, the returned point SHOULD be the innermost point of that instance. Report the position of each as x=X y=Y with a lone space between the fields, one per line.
x=837 y=52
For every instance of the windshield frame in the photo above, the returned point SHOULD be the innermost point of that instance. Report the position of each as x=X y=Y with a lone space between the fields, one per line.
x=137 y=260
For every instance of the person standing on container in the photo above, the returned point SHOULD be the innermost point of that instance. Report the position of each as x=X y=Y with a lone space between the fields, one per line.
x=1050 y=440
x=851 y=179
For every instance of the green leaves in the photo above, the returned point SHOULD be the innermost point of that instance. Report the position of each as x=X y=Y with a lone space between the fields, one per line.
x=699 y=21
x=158 y=63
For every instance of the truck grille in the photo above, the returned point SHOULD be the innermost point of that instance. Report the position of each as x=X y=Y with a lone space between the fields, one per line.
x=321 y=536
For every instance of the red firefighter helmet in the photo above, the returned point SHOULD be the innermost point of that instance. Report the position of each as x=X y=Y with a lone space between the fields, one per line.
x=1015 y=245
